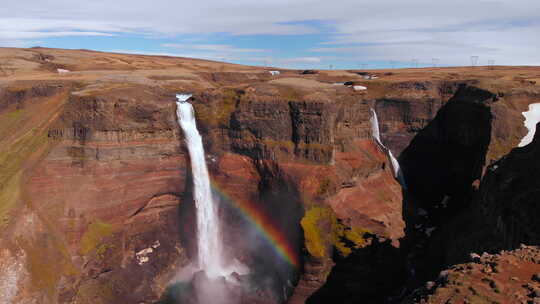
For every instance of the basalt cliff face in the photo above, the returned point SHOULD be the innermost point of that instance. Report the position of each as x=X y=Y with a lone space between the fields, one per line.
x=501 y=219
x=96 y=191
x=446 y=164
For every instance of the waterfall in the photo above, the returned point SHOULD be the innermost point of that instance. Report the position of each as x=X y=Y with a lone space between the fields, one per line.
x=208 y=229
x=375 y=132
x=375 y=127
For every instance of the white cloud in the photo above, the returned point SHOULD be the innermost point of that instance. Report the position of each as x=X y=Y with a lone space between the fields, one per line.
x=201 y=55
x=32 y=35
x=15 y=43
x=452 y=30
x=255 y=17
x=212 y=48
x=301 y=60
x=514 y=46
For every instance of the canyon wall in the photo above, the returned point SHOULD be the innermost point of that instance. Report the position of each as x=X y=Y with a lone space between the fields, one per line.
x=98 y=193
x=445 y=165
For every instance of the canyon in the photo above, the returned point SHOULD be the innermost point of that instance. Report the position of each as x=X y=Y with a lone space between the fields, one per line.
x=97 y=200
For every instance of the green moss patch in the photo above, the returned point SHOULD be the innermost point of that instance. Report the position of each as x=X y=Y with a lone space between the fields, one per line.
x=322 y=231
x=317 y=225
x=11 y=166
x=10 y=122
x=47 y=261
x=279 y=144
x=347 y=239
x=9 y=194
x=23 y=141
x=94 y=236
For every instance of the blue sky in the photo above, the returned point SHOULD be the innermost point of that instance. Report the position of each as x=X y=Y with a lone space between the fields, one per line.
x=286 y=33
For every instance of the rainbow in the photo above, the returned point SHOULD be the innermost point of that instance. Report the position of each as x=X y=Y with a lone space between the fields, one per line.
x=264 y=225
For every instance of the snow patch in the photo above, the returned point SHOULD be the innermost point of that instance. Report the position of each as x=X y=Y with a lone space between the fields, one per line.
x=274 y=73
x=359 y=88
x=62 y=71
x=143 y=255
x=532 y=117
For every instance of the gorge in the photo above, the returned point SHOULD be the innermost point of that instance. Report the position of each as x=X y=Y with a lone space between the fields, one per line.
x=115 y=188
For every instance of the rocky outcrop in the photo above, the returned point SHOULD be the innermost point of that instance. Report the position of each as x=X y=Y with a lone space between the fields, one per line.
x=505 y=277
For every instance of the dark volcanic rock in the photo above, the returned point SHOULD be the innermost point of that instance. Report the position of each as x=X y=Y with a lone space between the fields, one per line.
x=449 y=154
x=501 y=215
x=506 y=207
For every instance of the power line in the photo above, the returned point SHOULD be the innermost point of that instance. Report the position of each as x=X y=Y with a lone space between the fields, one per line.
x=474 y=60
x=491 y=64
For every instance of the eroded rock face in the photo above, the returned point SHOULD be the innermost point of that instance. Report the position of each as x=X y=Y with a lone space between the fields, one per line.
x=104 y=214
x=112 y=193
x=408 y=108
x=109 y=189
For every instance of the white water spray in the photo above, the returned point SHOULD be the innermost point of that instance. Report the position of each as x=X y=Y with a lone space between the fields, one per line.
x=208 y=229
x=375 y=132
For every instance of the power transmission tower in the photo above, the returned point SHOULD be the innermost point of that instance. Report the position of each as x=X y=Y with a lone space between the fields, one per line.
x=435 y=62
x=474 y=60
x=491 y=64
x=393 y=64
x=415 y=63
x=331 y=67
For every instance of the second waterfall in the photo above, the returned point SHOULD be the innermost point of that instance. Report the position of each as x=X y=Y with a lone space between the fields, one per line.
x=209 y=241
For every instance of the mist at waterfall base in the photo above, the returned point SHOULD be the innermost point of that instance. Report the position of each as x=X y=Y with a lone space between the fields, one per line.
x=233 y=260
